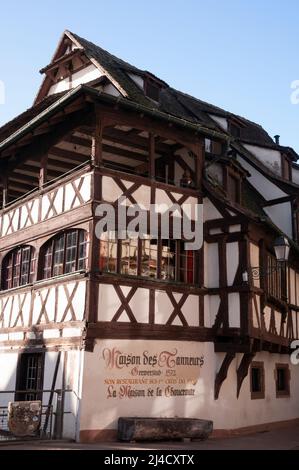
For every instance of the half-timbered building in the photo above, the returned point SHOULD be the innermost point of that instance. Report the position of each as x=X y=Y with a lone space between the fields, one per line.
x=102 y=328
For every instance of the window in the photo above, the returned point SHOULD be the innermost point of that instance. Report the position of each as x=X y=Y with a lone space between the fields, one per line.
x=129 y=257
x=152 y=89
x=212 y=146
x=108 y=253
x=282 y=380
x=168 y=260
x=257 y=380
x=65 y=253
x=286 y=168
x=151 y=258
x=235 y=130
x=30 y=373
x=276 y=284
x=18 y=268
x=233 y=188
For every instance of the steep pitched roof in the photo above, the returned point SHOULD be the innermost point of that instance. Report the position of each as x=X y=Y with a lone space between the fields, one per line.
x=172 y=102
x=11 y=126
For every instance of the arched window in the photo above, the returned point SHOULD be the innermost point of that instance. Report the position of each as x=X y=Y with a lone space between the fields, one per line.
x=65 y=253
x=18 y=267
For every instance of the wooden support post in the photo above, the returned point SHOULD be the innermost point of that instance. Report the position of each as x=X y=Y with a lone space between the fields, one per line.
x=5 y=191
x=222 y=374
x=97 y=138
x=151 y=162
x=199 y=163
x=243 y=370
x=43 y=171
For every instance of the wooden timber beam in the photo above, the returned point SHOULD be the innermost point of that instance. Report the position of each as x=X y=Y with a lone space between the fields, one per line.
x=41 y=146
x=243 y=370
x=151 y=158
x=222 y=373
x=97 y=138
x=4 y=190
x=108 y=148
x=43 y=171
x=33 y=172
x=121 y=137
x=69 y=156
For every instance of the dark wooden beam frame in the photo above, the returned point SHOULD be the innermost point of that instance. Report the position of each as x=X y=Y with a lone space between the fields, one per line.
x=222 y=373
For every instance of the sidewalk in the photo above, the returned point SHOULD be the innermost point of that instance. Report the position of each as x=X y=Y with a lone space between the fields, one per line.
x=279 y=439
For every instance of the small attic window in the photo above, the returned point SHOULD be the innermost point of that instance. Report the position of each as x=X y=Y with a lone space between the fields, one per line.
x=235 y=130
x=152 y=89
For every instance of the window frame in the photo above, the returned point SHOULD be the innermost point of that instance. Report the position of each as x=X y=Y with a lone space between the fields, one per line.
x=286 y=392
x=9 y=262
x=150 y=84
x=276 y=284
x=229 y=173
x=21 y=377
x=257 y=395
x=286 y=167
x=49 y=250
x=178 y=253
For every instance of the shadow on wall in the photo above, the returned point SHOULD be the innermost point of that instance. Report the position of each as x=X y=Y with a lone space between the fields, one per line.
x=33 y=373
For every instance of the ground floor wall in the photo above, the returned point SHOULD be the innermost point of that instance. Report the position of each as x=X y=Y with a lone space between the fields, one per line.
x=68 y=378
x=152 y=378
x=175 y=379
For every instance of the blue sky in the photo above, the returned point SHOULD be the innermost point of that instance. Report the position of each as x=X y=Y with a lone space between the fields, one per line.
x=240 y=55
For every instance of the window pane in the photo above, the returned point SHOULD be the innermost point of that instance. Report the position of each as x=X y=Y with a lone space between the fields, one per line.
x=233 y=188
x=48 y=262
x=168 y=260
x=281 y=380
x=186 y=265
x=256 y=383
x=82 y=257
x=129 y=253
x=71 y=252
x=16 y=268
x=7 y=272
x=149 y=258
x=108 y=253
x=25 y=267
x=58 y=256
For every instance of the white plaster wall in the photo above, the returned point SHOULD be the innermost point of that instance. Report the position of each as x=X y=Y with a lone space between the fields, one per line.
x=82 y=76
x=210 y=211
x=220 y=120
x=100 y=412
x=111 y=90
x=234 y=310
x=8 y=368
x=216 y=172
x=72 y=360
x=270 y=158
x=267 y=189
x=211 y=271
x=232 y=261
x=281 y=215
x=211 y=307
x=137 y=79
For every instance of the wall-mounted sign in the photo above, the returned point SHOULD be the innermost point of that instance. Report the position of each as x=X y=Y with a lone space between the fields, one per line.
x=143 y=370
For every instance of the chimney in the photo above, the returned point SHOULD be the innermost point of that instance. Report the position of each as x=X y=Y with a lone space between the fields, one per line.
x=276 y=138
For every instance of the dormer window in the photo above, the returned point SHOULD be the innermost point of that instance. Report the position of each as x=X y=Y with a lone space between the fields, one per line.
x=233 y=187
x=152 y=89
x=286 y=168
x=235 y=130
